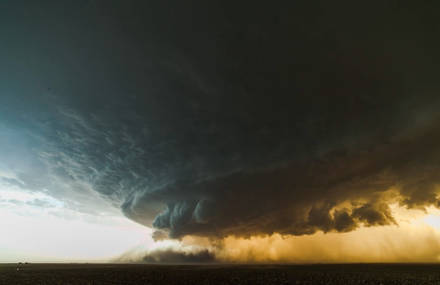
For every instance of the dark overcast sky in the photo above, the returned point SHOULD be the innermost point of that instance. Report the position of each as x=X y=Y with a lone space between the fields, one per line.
x=215 y=118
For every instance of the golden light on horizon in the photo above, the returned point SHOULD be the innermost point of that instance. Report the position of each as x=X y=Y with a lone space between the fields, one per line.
x=416 y=238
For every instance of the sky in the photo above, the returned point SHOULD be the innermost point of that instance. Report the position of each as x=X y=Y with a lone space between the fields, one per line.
x=209 y=131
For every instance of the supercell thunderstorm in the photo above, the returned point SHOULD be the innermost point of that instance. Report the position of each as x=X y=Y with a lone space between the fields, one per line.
x=262 y=121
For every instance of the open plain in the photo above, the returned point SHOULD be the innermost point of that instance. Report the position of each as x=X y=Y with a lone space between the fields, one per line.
x=219 y=274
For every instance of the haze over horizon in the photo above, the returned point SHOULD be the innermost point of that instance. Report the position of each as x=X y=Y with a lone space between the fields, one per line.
x=219 y=132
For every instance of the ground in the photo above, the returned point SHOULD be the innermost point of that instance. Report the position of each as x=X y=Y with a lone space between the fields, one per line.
x=219 y=274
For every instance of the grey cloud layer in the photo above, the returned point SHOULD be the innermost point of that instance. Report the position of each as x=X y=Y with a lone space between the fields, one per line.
x=216 y=120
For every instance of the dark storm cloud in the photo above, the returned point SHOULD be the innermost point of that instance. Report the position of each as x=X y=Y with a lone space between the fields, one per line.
x=213 y=120
x=173 y=256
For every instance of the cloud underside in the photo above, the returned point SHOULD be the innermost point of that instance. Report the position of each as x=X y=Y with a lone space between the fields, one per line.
x=339 y=192
x=225 y=122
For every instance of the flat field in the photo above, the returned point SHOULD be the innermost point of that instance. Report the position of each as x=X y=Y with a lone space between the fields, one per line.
x=220 y=274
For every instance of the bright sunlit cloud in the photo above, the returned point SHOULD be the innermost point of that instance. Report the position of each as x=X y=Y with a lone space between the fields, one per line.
x=415 y=239
x=433 y=218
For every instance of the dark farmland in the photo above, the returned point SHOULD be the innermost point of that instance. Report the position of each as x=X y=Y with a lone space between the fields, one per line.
x=220 y=274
